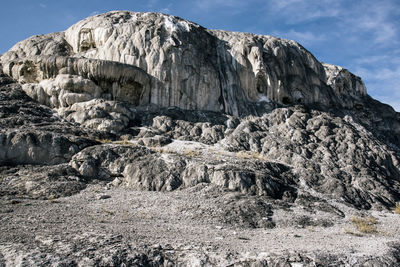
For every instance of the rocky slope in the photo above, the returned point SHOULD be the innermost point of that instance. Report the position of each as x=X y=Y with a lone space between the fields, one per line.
x=204 y=142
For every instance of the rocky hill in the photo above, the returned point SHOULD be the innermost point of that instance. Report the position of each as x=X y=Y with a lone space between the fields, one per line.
x=144 y=139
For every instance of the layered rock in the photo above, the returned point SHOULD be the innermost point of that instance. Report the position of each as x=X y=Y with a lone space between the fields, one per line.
x=176 y=63
x=59 y=81
x=32 y=134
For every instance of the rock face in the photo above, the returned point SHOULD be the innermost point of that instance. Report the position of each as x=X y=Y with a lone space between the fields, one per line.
x=31 y=134
x=168 y=61
x=150 y=130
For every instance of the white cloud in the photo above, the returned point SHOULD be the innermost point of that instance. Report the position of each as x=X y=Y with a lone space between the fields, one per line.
x=42 y=5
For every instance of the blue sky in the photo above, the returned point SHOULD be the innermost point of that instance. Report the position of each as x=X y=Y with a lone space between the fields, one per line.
x=360 y=35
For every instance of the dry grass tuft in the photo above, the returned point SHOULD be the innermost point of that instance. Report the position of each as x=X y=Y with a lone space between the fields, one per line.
x=123 y=142
x=397 y=208
x=191 y=153
x=366 y=225
x=104 y=141
x=249 y=155
x=350 y=232
x=159 y=150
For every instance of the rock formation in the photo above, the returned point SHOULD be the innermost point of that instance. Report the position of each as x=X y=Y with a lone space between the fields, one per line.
x=168 y=61
x=164 y=143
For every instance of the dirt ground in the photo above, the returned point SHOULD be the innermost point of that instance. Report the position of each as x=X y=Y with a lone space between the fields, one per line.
x=188 y=226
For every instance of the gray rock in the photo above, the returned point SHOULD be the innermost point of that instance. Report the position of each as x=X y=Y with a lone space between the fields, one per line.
x=31 y=134
x=335 y=156
x=103 y=197
x=99 y=114
x=40 y=182
x=35 y=147
x=156 y=141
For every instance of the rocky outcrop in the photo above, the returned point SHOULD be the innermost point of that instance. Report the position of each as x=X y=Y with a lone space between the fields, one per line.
x=167 y=61
x=31 y=147
x=40 y=182
x=139 y=168
x=348 y=88
x=332 y=156
x=58 y=81
x=31 y=134
x=99 y=114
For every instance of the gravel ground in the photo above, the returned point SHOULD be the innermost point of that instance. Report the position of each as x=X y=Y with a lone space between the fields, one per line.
x=189 y=224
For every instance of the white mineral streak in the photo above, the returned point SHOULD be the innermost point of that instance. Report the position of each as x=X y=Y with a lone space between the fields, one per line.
x=168 y=61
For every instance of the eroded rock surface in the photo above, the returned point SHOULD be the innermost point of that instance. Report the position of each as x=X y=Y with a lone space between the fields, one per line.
x=167 y=61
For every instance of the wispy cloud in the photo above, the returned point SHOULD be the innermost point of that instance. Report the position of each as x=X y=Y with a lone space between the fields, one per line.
x=304 y=38
x=355 y=19
x=374 y=59
x=380 y=74
x=213 y=4
x=374 y=18
x=351 y=28
x=94 y=13
x=382 y=83
x=209 y=4
x=165 y=10
x=42 y=5
x=296 y=11
x=159 y=6
x=152 y=3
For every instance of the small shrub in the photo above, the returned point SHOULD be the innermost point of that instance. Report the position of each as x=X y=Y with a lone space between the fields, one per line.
x=350 y=232
x=366 y=225
x=397 y=208
x=191 y=153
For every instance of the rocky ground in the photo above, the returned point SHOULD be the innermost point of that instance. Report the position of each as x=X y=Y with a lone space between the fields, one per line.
x=201 y=226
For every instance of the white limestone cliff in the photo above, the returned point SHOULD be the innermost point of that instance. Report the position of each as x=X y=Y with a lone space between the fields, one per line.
x=152 y=58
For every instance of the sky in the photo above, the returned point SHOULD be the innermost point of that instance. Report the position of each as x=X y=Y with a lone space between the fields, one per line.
x=362 y=36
